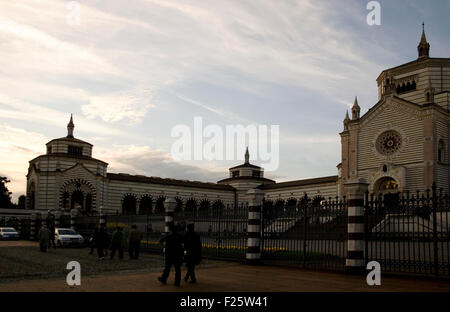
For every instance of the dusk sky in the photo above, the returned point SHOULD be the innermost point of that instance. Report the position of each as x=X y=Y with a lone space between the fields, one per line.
x=132 y=70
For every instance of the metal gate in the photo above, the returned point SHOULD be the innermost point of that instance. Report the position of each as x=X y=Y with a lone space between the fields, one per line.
x=308 y=233
x=409 y=233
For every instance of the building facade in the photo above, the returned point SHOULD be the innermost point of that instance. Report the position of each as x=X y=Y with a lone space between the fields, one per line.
x=400 y=144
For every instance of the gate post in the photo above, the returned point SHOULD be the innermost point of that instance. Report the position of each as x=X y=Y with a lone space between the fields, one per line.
x=33 y=226
x=356 y=190
x=169 y=207
x=255 y=200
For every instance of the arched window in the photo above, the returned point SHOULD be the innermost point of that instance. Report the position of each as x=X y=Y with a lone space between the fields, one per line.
x=159 y=207
x=179 y=206
x=217 y=207
x=145 y=205
x=129 y=205
x=204 y=206
x=191 y=205
x=88 y=207
x=441 y=151
x=268 y=208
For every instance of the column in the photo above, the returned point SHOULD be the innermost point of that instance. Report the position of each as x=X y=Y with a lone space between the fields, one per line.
x=255 y=199
x=169 y=207
x=355 y=189
x=33 y=233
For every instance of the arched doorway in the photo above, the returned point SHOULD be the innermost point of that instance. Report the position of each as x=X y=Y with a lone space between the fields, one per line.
x=387 y=189
x=386 y=185
x=77 y=200
x=77 y=193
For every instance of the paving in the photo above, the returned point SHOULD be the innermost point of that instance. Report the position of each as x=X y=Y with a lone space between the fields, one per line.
x=213 y=276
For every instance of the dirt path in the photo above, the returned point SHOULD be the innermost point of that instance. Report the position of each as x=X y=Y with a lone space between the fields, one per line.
x=232 y=278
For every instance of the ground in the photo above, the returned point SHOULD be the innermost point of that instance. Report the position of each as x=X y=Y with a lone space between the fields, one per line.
x=24 y=268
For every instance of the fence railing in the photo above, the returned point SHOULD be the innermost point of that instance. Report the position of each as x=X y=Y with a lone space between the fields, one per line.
x=308 y=234
x=409 y=233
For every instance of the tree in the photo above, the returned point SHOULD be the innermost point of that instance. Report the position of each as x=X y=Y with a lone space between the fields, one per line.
x=21 y=202
x=5 y=194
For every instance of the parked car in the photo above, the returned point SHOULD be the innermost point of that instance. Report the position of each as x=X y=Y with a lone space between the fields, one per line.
x=68 y=237
x=8 y=233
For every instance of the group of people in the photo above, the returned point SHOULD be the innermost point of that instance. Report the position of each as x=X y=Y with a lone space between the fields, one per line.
x=179 y=249
x=118 y=242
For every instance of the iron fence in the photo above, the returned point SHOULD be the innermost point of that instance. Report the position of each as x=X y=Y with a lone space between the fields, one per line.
x=223 y=231
x=409 y=233
x=308 y=233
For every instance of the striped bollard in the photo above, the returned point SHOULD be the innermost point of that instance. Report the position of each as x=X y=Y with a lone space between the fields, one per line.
x=169 y=207
x=33 y=226
x=255 y=200
x=355 y=245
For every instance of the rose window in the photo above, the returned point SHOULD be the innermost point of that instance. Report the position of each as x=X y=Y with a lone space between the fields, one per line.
x=389 y=142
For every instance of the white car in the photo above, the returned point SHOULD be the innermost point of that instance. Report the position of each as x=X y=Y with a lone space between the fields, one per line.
x=8 y=233
x=68 y=237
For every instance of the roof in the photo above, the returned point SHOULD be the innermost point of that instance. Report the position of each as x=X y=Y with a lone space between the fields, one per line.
x=65 y=155
x=70 y=139
x=165 y=181
x=248 y=165
x=247 y=178
x=329 y=179
x=423 y=60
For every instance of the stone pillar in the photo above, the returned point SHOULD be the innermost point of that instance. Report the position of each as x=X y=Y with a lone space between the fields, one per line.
x=356 y=189
x=169 y=207
x=255 y=200
x=73 y=217
x=33 y=233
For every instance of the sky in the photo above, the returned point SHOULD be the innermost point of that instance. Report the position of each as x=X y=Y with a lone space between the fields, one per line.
x=132 y=71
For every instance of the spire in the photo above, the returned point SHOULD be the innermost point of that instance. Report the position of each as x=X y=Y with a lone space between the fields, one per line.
x=70 y=127
x=355 y=109
x=424 y=47
x=346 y=121
x=247 y=156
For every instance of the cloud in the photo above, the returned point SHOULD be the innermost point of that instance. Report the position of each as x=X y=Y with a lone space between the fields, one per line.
x=17 y=148
x=132 y=106
x=143 y=160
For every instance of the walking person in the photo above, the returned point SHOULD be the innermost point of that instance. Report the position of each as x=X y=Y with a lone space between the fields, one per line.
x=134 y=242
x=173 y=254
x=101 y=241
x=118 y=242
x=44 y=238
x=93 y=240
x=193 y=248
x=51 y=227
